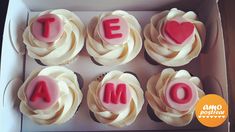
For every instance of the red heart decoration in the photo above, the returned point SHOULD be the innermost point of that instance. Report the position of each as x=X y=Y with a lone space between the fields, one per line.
x=179 y=32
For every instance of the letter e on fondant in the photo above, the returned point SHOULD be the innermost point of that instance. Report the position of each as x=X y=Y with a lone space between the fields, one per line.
x=47 y=28
x=113 y=29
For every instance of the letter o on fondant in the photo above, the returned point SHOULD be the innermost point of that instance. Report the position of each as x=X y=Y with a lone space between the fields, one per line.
x=115 y=95
x=181 y=94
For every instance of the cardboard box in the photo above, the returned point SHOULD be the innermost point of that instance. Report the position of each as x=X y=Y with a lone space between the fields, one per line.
x=210 y=66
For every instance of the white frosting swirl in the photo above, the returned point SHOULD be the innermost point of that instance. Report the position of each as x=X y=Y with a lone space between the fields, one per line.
x=165 y=51
x=63 y=50
x=67 y=103
x=155 y=96
x=107 y=54
x=125 y=117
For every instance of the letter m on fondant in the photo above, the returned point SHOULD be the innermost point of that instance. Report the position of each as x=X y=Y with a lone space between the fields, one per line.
x=115 y=96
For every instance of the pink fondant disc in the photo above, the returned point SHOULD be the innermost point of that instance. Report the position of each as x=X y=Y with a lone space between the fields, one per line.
x=47 y=28
x=115 y=96
x=113 y=29
x=42 y=97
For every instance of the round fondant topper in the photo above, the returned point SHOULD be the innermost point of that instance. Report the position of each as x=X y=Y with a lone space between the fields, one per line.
x=47 y=28
x=42 y=92
x=178 y=31
x=187 y=93
x=181 y=94
x=113 y=29
x=115 y=96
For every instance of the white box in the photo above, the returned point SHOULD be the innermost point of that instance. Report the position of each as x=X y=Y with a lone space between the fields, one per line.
x=210 y=66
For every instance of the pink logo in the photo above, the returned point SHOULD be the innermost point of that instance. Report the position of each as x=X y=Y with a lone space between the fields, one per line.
x=115 y=95
x=113 y=29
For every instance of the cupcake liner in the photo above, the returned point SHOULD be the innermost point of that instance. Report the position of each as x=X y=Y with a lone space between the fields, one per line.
x=152 y=115
x=39 y=62
x=95 y=62
x=132 y=73
x=149 y=59
x=77 y=109
x=92 y=115
x=80 y=80
x=81 y=84
x=100 y=77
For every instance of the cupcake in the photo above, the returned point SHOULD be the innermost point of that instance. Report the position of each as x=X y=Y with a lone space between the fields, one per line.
x=50 y=95
x=174 y=38
x=115 y=99
x=172 y=96
x=54 y=37
x=113 y=38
